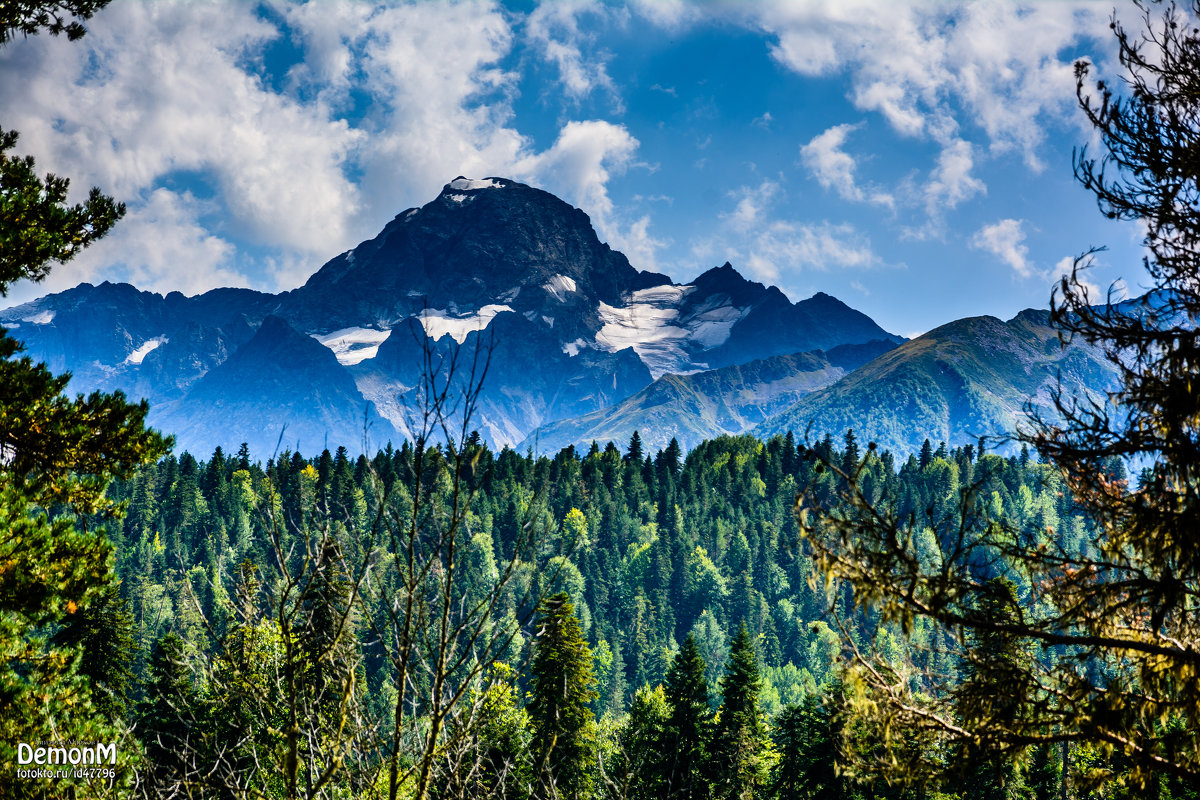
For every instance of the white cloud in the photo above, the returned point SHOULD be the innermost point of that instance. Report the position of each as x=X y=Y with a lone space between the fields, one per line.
x=834 y=168
x=1005 y=240
x=673 y=15
x=159 y=246
x=386 y=104
x=951 y=181
x=553 y=27
x=752 y=204
x=923 y=66
x=1064 y=267
x=578 y=167
x=157 y=89
x=977 y=77
x=773 y=249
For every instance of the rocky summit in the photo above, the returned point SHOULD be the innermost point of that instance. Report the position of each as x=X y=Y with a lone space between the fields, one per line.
x=491 y=271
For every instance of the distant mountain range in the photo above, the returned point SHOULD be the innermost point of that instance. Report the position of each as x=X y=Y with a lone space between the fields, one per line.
x=969 y=378
x=572 y=329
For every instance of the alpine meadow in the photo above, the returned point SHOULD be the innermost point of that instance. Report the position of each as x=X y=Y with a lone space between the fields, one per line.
x=518 y=496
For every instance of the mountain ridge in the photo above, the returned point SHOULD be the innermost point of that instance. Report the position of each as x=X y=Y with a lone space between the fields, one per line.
x=571 y=325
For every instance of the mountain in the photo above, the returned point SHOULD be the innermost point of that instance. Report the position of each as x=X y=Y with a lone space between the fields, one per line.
x=969 y=378
x=491 y=272
x=693 y=408
x=313 y=401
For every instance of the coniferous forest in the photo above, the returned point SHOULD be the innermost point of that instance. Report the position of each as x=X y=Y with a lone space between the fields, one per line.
x=797 y=617
x=653 y=624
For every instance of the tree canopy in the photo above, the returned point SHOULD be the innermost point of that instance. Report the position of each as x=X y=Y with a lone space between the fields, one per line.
x=1095 y=641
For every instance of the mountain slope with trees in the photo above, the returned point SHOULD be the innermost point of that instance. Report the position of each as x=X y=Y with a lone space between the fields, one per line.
x=969 y=378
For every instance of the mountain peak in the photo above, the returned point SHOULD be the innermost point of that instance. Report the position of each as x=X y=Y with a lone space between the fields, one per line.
x=461 y=184
x=480 y=242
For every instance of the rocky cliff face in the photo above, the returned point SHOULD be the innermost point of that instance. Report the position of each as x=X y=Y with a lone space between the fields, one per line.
x=489 y=272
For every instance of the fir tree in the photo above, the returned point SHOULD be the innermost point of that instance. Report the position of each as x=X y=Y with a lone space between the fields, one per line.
x=688 y=730
x=741 y=748
x=806 y=769
x=561 y=691
x=634 y=454
x=168 y=726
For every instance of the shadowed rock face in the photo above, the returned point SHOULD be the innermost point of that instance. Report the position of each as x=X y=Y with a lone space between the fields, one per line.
x=490 y=269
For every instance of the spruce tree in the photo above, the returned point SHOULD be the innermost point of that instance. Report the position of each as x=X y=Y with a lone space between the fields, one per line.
x=168 y=721
x=102 y=632
x=58 y=453
x=807 y=753
x=561 y=691
x=688 y=731
x=741 y=748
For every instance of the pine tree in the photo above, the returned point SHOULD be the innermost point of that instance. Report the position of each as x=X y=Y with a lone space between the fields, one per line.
x=636 y=774
x=561 y=691
x=994 y=659
x=634 y=454
x=102 y=631
x=55 y=453
x=741 y=748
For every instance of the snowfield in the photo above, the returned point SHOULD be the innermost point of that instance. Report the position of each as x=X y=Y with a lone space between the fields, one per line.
x=440 y=323
x=470 y=184
x=353 y=345
x=139 y=355
x=652 y=325
x=559 y=286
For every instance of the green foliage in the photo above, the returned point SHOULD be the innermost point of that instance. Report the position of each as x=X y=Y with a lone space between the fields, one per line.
x=637 y=578
x=1067 y=627
x=561 y=691
x=37 y=227
x=688 y=730
x=55 y=16
x=742 y=750
x=805 y=739
x=168 y=724
x=57 y=455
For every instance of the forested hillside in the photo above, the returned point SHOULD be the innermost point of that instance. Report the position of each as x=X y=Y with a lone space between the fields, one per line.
x=676 y=569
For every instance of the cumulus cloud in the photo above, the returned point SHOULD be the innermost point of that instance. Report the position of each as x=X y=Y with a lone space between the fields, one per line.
x=923 y=66
x=553 y=27
x=670 y=14
x=384 y=104
x=772 y=249
x=834 y=168
x=980 y=77
x=951 y=181
x=1005 y=240
x=578 y=168
x=161 y=245
x=752 y=206
x=114 y=110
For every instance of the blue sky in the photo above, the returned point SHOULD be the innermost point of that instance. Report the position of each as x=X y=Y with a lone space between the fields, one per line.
x=913 y=159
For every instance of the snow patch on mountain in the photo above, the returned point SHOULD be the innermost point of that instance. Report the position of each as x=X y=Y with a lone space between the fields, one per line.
x=40 y=318
x=648 y=328
x=470 y=184
x=353 y=345
x=460 y=198
x=139 y=355
x=559 y=286
x=439 y=323
x=662 y=329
